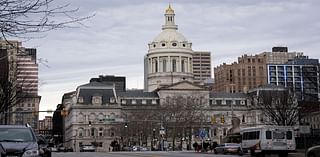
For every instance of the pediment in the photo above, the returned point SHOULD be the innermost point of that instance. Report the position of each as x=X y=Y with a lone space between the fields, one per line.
x=185 y=85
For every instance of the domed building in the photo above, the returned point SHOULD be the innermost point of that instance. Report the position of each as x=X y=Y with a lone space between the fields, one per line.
x=169 y=58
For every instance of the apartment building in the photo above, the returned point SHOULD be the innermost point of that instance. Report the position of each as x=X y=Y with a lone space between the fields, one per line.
x=249 y=71
x=301 y=75
x=201 y=64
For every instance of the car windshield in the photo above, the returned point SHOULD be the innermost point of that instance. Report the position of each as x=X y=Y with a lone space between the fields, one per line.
x=15 y=135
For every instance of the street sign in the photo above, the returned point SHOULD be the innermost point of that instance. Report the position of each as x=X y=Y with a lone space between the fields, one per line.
x=202 y=133
x=162 y=131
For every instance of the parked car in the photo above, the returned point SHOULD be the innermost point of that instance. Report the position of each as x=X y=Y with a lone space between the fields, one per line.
x=87 y=148
x=18 y=140
x=233 y=148
x=136 y=148
x=44 y=149
x=127 y=148
x=139 y=148
x=62 y=149
x=313 y=151
x=53 y=149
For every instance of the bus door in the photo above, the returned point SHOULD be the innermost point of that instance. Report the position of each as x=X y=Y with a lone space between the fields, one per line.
x=279 y=140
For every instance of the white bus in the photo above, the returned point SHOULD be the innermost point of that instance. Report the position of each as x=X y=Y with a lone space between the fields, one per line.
x=268 y=140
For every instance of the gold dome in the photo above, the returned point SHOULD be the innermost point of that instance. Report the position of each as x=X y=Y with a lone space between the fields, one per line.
x=169 y=10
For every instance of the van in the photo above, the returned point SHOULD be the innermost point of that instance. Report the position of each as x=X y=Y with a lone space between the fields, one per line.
x=268 y=140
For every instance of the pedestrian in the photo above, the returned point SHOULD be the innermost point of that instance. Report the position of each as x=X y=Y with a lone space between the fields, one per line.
x=195 y=146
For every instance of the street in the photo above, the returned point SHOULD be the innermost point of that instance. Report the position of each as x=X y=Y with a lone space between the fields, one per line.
x=152 y=154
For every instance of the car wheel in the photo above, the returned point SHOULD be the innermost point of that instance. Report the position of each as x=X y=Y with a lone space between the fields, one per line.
x=215 y=152
x=240 y=153
x=311 y=155
x=224 y=152
x=283 y=154
x=252 y=153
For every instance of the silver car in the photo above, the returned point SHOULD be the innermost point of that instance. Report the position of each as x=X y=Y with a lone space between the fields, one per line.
x=87 y=148
x=232 y=148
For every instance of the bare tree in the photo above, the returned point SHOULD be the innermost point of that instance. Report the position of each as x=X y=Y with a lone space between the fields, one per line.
x=278 y=105
x=139 y=125
x=180 y=114
x=28 y=18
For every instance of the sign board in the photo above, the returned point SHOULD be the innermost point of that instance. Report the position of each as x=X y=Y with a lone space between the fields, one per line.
x=162 y=131
x=304 y=129
x=202 y=133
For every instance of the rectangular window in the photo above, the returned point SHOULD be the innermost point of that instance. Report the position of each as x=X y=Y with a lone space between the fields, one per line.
x=154 y=101
x=112 y=100
x=289 y=135
x=268 y=135
x=144 y=102
x=164 y=65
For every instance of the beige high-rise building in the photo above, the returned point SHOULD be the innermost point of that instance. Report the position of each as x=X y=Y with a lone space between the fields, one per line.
x=250 y=71
x=20 y=68
x=201 y=64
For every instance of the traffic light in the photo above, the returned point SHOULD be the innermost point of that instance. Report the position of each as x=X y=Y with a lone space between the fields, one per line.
x=34 y=113
x=213 y=120
x=125 y=124
x=64 y=112
x=222 y=119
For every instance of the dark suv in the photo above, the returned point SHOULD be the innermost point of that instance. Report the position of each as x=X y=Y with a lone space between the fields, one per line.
x=18 y=140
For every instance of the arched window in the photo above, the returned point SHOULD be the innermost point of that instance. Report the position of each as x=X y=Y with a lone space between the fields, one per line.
x=92 y=117
x=183 y=66
x=81 y=118
x=164 y=65
x=112 y=116
x=156 y=65
x=174 y=65
x=80 y=132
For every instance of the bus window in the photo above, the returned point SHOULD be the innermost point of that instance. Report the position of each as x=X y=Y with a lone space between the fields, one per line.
x=278 y=135
x=289 y=135
x=268 y=135
x=257 y=134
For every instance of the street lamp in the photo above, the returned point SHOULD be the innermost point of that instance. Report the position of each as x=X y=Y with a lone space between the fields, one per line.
x=153 y=138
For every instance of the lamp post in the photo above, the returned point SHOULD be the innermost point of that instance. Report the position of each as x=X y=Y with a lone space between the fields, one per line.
x=153 y=138
x=162 y=133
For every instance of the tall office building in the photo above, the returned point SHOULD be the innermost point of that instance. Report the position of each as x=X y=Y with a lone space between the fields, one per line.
x=119 y=82
x=250 y=71
x=201 y=65
x=300 y=75
x=20 y=68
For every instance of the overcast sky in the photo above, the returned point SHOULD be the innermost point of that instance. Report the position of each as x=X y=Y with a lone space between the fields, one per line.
x=114 y=41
